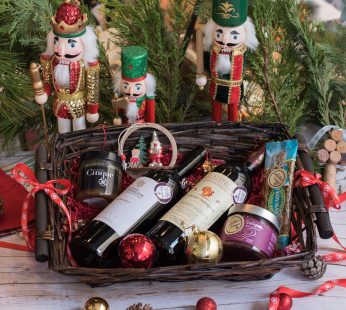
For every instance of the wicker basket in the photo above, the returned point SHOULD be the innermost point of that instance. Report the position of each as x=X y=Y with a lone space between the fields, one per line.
x=231 y=142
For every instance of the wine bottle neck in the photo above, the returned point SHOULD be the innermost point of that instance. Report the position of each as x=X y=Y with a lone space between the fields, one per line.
x=192 y=160
x=255 y=159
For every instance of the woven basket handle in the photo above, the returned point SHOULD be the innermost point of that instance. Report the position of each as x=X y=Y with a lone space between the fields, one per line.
x=123 y=137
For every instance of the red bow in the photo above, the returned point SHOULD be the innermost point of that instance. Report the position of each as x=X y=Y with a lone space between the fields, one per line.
x=332 y=200
x=325 y=287
x=305 y=178
x=23 y=174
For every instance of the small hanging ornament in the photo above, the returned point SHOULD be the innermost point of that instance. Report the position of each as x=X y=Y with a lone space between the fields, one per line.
x=136 y=251
x=139 y=306
x=96 y=303
x=206 y=303
x=155 y=152
x=142 y=147
x=203 y=247
x=135 y=161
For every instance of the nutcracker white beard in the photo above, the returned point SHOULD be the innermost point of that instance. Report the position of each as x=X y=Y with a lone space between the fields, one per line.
x=132 y=112
x=62 y=75
x=223 y=65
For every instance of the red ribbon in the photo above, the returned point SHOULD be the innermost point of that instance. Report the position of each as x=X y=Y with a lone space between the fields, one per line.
x=23 y=174
x=305 y=178
x=332 y=200
x=325 y=287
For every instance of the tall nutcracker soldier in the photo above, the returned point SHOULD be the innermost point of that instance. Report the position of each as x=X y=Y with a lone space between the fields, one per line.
x=70 y=69
x=137 y=85
x=227 y=36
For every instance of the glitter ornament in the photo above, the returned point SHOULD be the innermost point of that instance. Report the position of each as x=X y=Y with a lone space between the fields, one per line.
x=69 y=13
x=206 y=303
x=203 y=247
x=96 y=303
x=136 y=251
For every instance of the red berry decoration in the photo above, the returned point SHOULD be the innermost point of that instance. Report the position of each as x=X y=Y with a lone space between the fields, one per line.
x=136 y=251
x=206 y=303
x=285 y=302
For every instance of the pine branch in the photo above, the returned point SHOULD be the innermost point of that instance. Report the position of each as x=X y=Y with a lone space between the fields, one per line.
x=143 y=23
x=322 y=72
x=269 y=87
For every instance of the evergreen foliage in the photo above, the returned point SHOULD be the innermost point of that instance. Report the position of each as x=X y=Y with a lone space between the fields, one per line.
x=142 y=22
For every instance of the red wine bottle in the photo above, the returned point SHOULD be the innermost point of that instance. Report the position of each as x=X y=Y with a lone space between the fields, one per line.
x=202 y=206
x=136 y=209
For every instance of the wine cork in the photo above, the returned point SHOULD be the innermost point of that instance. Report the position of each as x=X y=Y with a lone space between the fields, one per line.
x=322 y=156
x=341 y=147
x=337 y=135
x=334 y=157
x=329 y=145
x=329 y=175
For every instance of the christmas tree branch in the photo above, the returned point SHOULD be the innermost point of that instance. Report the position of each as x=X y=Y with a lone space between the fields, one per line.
x=269 y=87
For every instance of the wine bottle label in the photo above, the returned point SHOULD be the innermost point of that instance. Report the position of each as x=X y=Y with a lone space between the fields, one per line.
x=204 y=203
x=239 y=194
x=134 y=203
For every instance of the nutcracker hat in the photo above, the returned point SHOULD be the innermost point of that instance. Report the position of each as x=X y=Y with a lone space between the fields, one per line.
x=69 y=22
x=230 y=13
x=134 y=63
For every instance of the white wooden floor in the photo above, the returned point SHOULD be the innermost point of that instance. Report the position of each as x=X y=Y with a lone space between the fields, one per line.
x=26 y=284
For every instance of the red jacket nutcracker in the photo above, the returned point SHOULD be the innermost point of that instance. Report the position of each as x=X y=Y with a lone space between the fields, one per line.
x=137 y=85
x=227 y=36
x=70 y=68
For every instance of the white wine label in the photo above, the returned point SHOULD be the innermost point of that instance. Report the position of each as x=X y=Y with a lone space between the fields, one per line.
x=130 y=206
x=203 y=204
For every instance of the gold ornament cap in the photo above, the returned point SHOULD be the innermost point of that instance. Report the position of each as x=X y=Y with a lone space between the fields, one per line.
x=96 y=303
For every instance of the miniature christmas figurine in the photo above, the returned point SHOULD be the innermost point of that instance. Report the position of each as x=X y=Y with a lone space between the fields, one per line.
x=137 y=85
x=155 y=152
x=70 y=68
x=226 y=38
x=135 y=160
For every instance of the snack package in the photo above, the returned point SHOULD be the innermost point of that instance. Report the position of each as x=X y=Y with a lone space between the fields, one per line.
x=277 y=190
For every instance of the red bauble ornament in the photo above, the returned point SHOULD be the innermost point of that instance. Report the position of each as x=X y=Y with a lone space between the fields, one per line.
x=206 y=303
x=69 y=13
x=136 y=251
x=285 y=302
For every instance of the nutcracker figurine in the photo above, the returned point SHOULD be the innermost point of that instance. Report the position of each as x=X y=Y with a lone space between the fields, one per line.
x=70 y=68
x=227 y=36
x=137 y=85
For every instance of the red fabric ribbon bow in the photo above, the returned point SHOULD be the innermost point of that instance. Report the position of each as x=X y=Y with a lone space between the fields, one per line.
x=23 y=174
x=332 y=200
x=305 y=178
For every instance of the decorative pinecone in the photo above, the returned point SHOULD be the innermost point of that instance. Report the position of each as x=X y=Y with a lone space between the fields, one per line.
x=314 y=268
x=139 y=306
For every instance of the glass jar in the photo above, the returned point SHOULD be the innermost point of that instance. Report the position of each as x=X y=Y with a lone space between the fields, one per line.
x=99 y=177
x=249 y=233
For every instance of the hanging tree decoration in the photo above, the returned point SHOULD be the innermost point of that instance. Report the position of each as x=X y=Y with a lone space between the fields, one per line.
x=142 y=147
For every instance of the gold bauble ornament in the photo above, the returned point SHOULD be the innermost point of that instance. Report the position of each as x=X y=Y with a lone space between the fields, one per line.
x=203 y=247
x=96 y=303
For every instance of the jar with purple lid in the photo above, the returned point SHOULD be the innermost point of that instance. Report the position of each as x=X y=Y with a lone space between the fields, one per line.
x=249 y=233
